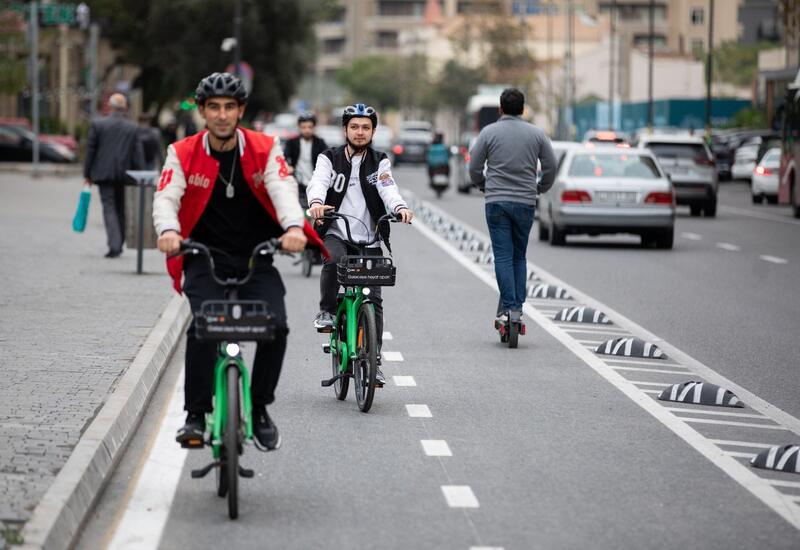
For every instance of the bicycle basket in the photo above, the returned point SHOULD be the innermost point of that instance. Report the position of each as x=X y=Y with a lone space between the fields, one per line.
x=234 y=320
x=365 y=271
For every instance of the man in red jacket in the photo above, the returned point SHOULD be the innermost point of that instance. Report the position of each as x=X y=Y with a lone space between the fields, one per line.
x=230 y=189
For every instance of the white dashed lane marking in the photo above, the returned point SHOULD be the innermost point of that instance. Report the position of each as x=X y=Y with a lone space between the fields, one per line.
x=436 y=447
x=392 y=356
x=715 y=413
x=692 y=236
x=460 y=496
x=387 y=335
x=732 y=423
x=648 y=369
x=773 y=259
x=729 y=247
x=741 y=443
x=419 y=411
x=404 y=381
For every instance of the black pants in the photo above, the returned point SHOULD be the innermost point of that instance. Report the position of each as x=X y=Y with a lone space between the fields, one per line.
x=112 y=197
x=329 y=286
x=201 y=355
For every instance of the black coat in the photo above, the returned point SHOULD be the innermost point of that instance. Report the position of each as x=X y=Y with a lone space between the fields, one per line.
x=291 y=150
x=113 y=148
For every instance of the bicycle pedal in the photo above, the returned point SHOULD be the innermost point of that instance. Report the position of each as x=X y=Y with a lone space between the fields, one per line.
x=325 y=330
x=193 y=444
x=246 y=472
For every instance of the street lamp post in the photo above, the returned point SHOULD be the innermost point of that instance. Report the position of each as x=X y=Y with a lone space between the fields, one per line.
x=33 y=23
x=612 y=12
x=709 y=66
x=651 y=38
x=237 y=33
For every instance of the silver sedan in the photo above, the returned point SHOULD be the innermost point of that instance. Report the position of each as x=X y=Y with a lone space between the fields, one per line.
x=601 y=190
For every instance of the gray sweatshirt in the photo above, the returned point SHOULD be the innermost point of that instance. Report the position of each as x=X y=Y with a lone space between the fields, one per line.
x=510 y=148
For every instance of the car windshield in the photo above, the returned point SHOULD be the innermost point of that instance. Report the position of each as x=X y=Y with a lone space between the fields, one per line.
x=613 y=166
x=694 y=151
x=772 y=156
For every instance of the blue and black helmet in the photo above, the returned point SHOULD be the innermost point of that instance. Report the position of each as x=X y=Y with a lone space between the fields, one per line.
x=359 y=110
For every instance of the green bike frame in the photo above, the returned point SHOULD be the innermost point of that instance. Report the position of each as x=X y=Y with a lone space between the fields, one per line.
x=348 y=306
x=217 y=419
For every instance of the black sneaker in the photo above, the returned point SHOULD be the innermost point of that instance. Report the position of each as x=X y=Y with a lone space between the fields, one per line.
x=323 y=322
x=191 y=435
x=380 y=379
x=267 y=437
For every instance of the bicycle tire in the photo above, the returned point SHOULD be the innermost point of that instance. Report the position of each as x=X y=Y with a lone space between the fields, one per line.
x=341 y=386
x=231 y=441
x=222 y=481
x=365 y=366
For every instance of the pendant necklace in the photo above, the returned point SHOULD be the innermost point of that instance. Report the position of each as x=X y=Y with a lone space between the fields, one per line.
x=229 y=182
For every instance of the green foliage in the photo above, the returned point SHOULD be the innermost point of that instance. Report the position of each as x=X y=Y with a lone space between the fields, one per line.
x=12 y=53
x=737 y=63
x=177 y=43
x=749 y=118
x=456 y=84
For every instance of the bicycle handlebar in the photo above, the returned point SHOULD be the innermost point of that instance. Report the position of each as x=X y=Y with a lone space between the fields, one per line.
x=392 y=218
x=267 y=248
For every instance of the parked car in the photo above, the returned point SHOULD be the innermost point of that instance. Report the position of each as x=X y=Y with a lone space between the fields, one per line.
x=764 y=184
x=744 y=162
x=382 y=141
x=689 y=164
x=16 y=145
x=411 y=146
x=416 y=126
x=609 y=190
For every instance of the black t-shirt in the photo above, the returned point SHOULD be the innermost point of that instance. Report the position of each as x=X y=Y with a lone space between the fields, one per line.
x=234 y=225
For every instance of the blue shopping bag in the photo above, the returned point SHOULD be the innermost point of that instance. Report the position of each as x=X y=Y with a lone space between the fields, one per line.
x=79 y=221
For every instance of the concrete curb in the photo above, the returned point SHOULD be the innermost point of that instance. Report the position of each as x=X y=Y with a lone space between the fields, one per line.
x=45 y=168
x=61 y=512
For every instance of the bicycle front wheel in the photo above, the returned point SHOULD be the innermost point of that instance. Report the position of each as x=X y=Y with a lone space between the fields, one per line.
x=365 y=365
x=341 y=386
x=231 y=442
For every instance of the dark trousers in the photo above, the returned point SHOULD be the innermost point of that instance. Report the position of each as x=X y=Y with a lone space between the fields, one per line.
x=329 y=286
x=509 y=228
x=112 y=197
x=201 y=355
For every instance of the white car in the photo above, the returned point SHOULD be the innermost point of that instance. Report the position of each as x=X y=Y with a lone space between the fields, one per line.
x=764 y=183
x=744 y=162
x=602 y=190
x=333 y=135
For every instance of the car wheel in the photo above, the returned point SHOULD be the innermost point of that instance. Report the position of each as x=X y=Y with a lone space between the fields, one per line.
x=544 y=235
x=665 y=238
x=758 y=199
x=772 y=199
x=695 y=209
x=710 y=208
x=558 y=237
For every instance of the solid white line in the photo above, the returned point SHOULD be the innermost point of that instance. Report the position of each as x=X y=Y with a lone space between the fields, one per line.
x=732 y=423
x=741 y=443
x=716 y=412
x=773 y=259
x=459 y=496
x=759 y=215
x=436 y=447
x=404 y=381
x=729 y=247
x=692 y=236
x=147 y=510
x=387 y=335
x=738 y=454
x=737 y=471
x=392 y=355
x=646 y=369
x=418 y=411
x=659 y=384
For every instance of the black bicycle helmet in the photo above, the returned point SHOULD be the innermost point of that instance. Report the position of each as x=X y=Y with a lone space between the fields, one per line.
x=220 y=85
x=359 y=110
x=307 y=117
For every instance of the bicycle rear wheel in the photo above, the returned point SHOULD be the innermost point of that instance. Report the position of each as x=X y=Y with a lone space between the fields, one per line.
x=231 y=442
x=365 y=366
x=341 y=386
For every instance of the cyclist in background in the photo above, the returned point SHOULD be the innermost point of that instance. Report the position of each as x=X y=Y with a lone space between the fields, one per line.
x=356 y=180
x=302 y=151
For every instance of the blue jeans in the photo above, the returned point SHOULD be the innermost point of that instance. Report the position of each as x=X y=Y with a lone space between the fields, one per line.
x=509 y=227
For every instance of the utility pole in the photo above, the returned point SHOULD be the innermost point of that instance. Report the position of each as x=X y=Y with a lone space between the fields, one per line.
x=237 y=33
x=709 y=66
x=94 y=38
x=612 y=13
x=651 y=40
x=33 y=23
x=550 y=7
x=569 y=96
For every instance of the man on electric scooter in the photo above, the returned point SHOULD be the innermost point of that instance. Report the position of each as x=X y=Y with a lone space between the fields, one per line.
x=356 y=180
x=230 y=189
x=510 y=148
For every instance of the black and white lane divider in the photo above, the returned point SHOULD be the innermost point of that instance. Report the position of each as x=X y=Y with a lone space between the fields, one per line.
x=784 y=458
x=700 y=393
x=582 y=314
x=630 y=347
x=548 y=291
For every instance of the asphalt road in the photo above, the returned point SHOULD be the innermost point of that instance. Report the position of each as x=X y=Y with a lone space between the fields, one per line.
x=553 y=455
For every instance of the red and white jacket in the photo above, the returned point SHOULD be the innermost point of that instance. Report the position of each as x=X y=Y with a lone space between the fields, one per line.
x=188 y=177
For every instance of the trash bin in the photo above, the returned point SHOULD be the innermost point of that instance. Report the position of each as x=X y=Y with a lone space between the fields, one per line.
x=132 y=217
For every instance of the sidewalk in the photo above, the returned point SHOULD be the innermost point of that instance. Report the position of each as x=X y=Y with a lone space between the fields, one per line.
x=71 y=323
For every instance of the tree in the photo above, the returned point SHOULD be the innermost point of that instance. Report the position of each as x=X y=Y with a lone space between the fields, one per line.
x=737 y=63
x=387 y=82
x=12 y=46
x=456 y=84
x=177 y=43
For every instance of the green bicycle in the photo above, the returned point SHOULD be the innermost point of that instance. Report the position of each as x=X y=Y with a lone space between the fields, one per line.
x=230 y=321
x=354 y=339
